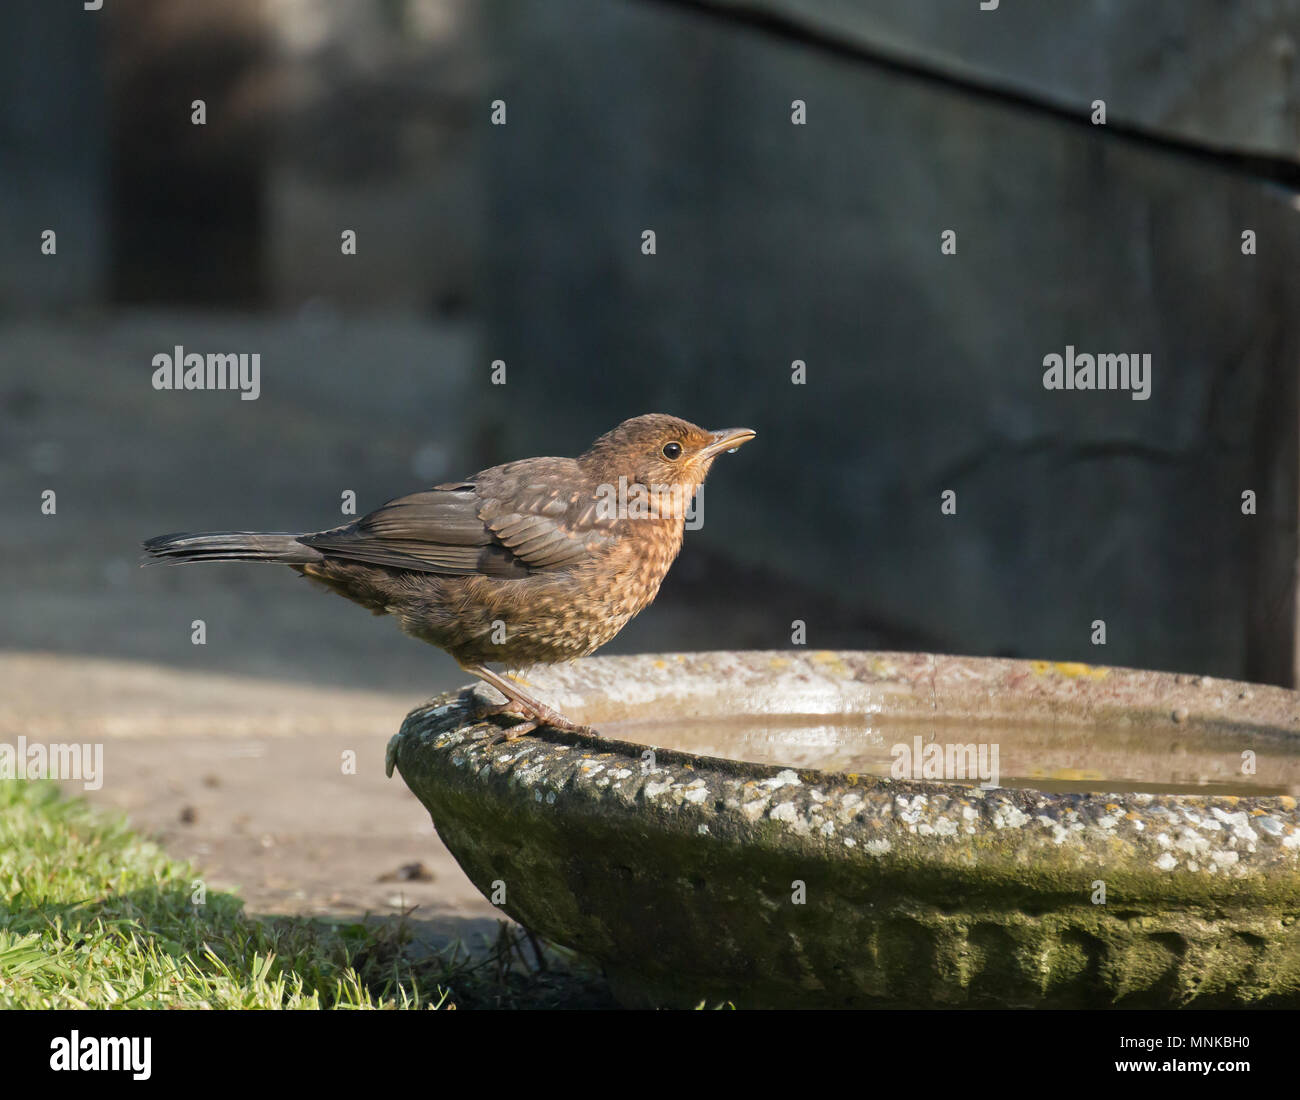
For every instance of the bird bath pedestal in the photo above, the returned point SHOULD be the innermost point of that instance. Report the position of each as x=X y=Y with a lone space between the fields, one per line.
x=845 y=829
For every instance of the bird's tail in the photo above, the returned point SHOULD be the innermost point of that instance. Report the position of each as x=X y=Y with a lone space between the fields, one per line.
x=278 y=547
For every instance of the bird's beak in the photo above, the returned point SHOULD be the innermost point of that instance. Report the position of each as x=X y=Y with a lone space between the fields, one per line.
x=728 y=439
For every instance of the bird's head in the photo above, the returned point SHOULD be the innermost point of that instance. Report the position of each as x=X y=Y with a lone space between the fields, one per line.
x=660 y=452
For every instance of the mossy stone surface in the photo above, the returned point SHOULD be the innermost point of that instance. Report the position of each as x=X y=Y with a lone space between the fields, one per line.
x=692 y=878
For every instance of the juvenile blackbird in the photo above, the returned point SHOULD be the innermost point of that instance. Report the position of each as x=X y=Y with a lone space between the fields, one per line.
x=535 y=561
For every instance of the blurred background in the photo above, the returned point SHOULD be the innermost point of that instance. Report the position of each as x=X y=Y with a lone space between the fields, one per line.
x=775 y=242
x=798 y=162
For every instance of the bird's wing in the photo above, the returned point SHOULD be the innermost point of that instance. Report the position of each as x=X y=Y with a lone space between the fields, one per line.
x=547 y=528
x=501 y=527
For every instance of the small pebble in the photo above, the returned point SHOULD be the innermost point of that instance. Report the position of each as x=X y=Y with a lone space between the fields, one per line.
x=408 y=872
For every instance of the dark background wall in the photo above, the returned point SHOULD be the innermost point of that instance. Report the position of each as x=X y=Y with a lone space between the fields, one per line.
x=775 y=242
x=822 y=243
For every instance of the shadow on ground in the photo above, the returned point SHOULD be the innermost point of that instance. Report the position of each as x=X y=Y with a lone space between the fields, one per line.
x=181 y=955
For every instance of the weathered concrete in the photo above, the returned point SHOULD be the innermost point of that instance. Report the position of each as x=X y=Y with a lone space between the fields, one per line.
x=680 y=874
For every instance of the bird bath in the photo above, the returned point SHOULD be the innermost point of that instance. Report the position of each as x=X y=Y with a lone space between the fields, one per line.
x=839 y=829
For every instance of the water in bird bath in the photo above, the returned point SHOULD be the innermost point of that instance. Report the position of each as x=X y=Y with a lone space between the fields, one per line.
x=1156 y=758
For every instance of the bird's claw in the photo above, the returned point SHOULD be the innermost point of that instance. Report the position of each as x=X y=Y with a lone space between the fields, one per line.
x=530 y=719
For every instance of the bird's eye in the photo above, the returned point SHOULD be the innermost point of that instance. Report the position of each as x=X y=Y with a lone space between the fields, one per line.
x=672 y=450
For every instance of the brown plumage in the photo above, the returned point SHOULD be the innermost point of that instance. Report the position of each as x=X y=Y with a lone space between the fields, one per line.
x=535 y=561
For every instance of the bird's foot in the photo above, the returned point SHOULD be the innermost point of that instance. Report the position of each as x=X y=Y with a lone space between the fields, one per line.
x=532 y=715
x=528 y=725
x=519 y=704
x=542 y=715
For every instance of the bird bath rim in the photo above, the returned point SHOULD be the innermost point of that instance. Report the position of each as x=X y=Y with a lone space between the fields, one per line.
x=639 y=864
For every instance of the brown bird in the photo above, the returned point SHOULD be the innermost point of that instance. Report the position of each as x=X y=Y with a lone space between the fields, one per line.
x=535 y=561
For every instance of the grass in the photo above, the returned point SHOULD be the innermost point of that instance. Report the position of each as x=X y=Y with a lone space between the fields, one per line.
x=92 y=915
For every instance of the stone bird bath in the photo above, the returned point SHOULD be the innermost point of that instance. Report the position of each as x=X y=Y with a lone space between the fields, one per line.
x=735 y=834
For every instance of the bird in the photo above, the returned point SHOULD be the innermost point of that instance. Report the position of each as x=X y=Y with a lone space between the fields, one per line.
x=537 y=561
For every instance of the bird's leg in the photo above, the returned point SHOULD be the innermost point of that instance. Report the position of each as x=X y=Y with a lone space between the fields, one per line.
x=519 y=702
